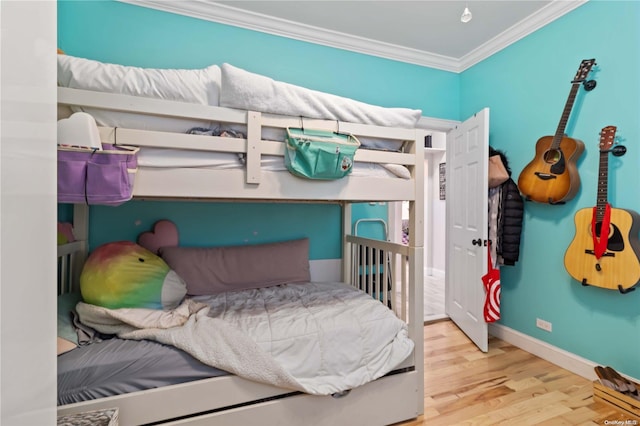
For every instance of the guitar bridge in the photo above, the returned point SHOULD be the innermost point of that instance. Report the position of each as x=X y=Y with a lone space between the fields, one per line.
x=545 y=176
x=606 y=254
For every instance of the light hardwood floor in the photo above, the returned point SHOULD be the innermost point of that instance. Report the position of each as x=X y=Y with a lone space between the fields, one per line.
x=507 y=385
x=434 y=298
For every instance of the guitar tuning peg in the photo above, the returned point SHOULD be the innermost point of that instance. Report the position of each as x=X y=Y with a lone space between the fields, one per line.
x=589 y=85
x=618 y=150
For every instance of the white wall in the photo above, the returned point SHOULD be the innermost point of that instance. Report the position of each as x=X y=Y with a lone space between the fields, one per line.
x=435 y=223
x=434 y=216
x=27 y=213
x=435 y=209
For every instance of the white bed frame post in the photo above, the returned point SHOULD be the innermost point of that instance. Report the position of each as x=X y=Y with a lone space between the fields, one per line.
x=71 y=256
x=416 y=262
x=346 y=249
x=81 y=233
x=415 y=297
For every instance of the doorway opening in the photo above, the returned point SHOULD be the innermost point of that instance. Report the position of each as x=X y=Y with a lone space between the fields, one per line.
x=434 y=241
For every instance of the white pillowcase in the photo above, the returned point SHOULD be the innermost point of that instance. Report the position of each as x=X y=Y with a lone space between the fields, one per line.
x=197 y=86
x=398 y=170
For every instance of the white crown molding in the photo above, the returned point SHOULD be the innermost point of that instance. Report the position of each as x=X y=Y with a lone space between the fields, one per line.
x=535 y=21
x=271 y=25
x=228 y=15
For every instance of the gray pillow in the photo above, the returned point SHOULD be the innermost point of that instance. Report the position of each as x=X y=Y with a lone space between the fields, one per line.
x=212 y=270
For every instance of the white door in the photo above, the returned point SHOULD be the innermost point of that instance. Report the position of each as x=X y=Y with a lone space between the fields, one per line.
x=467 y=226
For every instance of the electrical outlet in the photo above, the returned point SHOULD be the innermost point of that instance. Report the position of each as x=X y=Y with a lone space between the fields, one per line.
x=545 y=325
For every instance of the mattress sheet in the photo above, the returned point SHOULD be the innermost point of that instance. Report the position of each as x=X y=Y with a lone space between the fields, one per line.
x=116 y=366
x=172 y=158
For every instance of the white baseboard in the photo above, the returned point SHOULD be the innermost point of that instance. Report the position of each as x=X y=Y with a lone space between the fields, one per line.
x=567 y=360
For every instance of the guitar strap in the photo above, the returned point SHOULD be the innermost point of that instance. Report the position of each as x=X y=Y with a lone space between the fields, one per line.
x=600 y=242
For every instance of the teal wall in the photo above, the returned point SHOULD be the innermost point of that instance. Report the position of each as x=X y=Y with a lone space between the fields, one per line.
x=221 y=224
x=130 y=35
x=526 y=87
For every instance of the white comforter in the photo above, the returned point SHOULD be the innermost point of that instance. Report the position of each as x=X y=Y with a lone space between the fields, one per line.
x=319 y=338
x=246 y=90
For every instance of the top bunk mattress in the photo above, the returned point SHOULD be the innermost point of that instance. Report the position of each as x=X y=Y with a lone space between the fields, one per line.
x=159 y=158
x=224 y=86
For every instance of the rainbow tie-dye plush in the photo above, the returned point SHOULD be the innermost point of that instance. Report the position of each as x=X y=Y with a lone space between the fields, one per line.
x=125 y=275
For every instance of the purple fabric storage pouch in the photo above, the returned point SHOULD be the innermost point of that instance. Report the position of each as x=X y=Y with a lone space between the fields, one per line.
x=96 y=177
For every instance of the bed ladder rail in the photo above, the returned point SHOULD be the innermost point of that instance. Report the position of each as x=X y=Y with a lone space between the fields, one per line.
x=381 y=269
x=71 y=257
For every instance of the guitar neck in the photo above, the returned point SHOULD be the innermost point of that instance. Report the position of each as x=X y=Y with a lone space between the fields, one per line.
x=603 y=173
x=565 y=115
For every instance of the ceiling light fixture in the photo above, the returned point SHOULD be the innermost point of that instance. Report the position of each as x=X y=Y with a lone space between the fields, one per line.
x=466 y=15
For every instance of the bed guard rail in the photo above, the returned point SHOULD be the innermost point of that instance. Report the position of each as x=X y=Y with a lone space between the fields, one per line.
x=253 y=146
x=381 y=269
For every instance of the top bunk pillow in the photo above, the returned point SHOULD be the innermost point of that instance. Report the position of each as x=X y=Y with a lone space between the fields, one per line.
x=245 y=90
x=196 y=86
x=213 y=270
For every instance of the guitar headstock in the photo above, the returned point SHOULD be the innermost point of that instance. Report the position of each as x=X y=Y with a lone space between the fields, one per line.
x=583 y=70
x=607 y=137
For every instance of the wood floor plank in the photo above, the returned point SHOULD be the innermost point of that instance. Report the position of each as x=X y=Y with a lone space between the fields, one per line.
x=464 y=386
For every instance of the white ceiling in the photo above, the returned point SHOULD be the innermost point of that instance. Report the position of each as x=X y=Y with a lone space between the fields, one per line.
x=426 y=32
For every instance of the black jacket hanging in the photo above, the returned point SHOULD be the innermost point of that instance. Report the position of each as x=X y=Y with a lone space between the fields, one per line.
x=510 y=223
x=510 y=217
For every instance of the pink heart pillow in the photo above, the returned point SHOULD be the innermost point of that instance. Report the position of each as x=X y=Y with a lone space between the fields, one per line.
x=164 y=234
x=65 y=230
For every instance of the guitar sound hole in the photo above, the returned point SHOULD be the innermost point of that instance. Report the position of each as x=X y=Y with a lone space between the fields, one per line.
x=599 y=230
x=552 y=156
x=615 y=242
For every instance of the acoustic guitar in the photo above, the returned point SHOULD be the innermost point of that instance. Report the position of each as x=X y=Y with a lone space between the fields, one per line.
x=552 y=177
x=605 y=250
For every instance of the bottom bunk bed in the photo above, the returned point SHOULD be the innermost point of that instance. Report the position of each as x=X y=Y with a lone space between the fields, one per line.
x=151 y=382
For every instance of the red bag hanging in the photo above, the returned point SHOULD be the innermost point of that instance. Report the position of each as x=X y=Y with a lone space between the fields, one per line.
x=491 y=283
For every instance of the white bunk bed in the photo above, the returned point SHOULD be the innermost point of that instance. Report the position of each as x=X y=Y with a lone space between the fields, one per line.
x=230 y=399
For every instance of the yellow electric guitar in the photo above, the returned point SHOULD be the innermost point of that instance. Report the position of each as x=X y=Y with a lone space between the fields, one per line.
x=605 y=250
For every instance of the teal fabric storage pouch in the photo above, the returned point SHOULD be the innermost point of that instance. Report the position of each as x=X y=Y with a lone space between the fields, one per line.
x=319 y=154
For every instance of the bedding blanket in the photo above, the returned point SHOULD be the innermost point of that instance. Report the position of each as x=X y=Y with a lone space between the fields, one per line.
x=318 y=338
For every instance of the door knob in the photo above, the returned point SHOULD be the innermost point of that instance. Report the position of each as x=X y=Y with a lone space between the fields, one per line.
x=477 y=242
